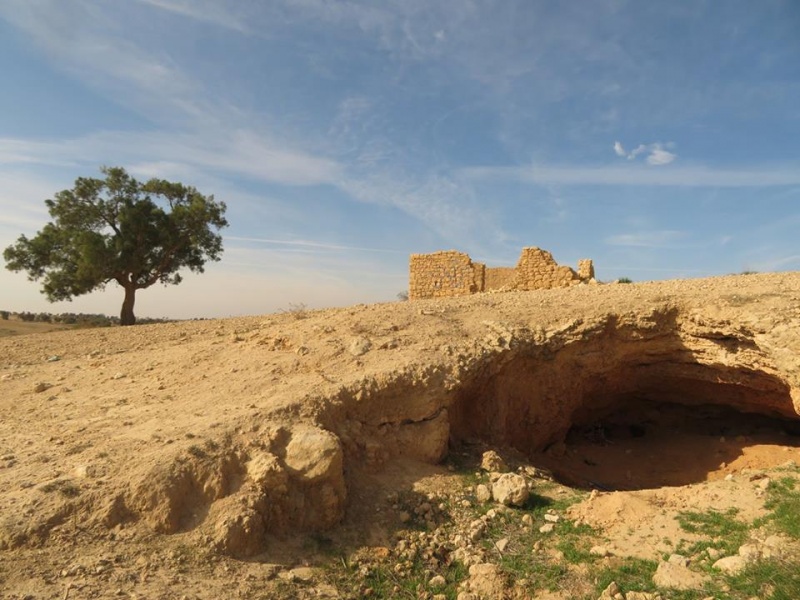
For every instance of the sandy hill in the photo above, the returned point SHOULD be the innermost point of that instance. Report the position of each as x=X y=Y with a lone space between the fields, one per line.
x=189 y=459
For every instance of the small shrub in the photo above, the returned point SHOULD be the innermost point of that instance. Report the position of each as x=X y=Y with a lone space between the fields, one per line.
x=67 y=488
x=298 y=310
x=624 y=280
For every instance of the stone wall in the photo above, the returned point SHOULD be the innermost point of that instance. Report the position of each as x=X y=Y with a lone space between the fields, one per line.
x=538 y=270
x=585 y=269
x=442 y=274
x=499 y=278
x=451 y=273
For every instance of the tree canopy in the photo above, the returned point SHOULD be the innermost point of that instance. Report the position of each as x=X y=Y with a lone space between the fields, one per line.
x=119 y=229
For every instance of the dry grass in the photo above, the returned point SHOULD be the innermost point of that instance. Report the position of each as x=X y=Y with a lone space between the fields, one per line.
x=14 y=327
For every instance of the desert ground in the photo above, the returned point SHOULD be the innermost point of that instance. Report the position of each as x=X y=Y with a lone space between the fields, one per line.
x=600 y=441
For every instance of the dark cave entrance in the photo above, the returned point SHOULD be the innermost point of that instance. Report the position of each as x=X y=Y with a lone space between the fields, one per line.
x=649 y=445
x=624 y=414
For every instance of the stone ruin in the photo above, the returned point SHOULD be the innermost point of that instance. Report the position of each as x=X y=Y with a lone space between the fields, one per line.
x=452 y=273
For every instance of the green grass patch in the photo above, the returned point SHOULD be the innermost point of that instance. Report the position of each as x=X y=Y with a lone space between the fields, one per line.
x=767 y=579
x=540 y=569
x=725 y=530
x=575 y=541
x=635 y=574
x=783 y=500
x=385 y=580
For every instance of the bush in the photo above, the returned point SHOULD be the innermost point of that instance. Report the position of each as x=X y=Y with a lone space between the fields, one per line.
x=624 y=280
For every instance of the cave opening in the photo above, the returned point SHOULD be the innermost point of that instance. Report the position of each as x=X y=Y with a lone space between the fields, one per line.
x=622 y=415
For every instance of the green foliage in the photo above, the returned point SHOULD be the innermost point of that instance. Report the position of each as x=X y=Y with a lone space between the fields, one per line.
x=624 y=280
x=118 y=229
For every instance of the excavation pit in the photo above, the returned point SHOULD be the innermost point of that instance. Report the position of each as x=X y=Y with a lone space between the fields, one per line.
x=625 y=408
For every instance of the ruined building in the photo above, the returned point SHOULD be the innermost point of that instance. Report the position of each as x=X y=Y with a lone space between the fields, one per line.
x=452 y=273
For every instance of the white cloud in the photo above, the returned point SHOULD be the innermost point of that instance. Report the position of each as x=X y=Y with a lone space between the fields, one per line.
x=659 y=156
x=656 y=154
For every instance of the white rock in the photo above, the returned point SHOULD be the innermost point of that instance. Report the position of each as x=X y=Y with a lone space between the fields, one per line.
x=611 y=592
x=483 y=494
x=677 y=576
x=551 y=518
x=601 y=551
x=510 y=489
x=314 y=454
x=546 y=528
x=437 y=581
x=677 y=559
x=731 y=564
x=359 y=346
x=750 y=552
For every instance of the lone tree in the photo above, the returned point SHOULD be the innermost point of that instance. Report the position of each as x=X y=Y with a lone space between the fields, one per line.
x=118 y=229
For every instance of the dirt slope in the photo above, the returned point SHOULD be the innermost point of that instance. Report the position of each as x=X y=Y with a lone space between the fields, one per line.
x=128 y=446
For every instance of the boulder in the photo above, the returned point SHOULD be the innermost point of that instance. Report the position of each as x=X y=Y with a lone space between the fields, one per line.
x=510 y=489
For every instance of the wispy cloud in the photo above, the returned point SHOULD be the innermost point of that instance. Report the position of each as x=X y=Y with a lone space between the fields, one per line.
x=215 y=12
x=684 y=176
x=645 y=239
x=442 y=203
x=238 y=152
x=310 y=245
x=780 y=263
x=656 y=153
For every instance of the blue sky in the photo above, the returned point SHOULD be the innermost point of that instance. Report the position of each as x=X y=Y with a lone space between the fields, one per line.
x=661 y=139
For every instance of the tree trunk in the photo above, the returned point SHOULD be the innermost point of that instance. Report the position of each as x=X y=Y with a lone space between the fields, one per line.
x=126 y=316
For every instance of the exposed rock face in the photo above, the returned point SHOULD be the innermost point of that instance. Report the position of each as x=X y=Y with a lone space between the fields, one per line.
x=299 y=484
